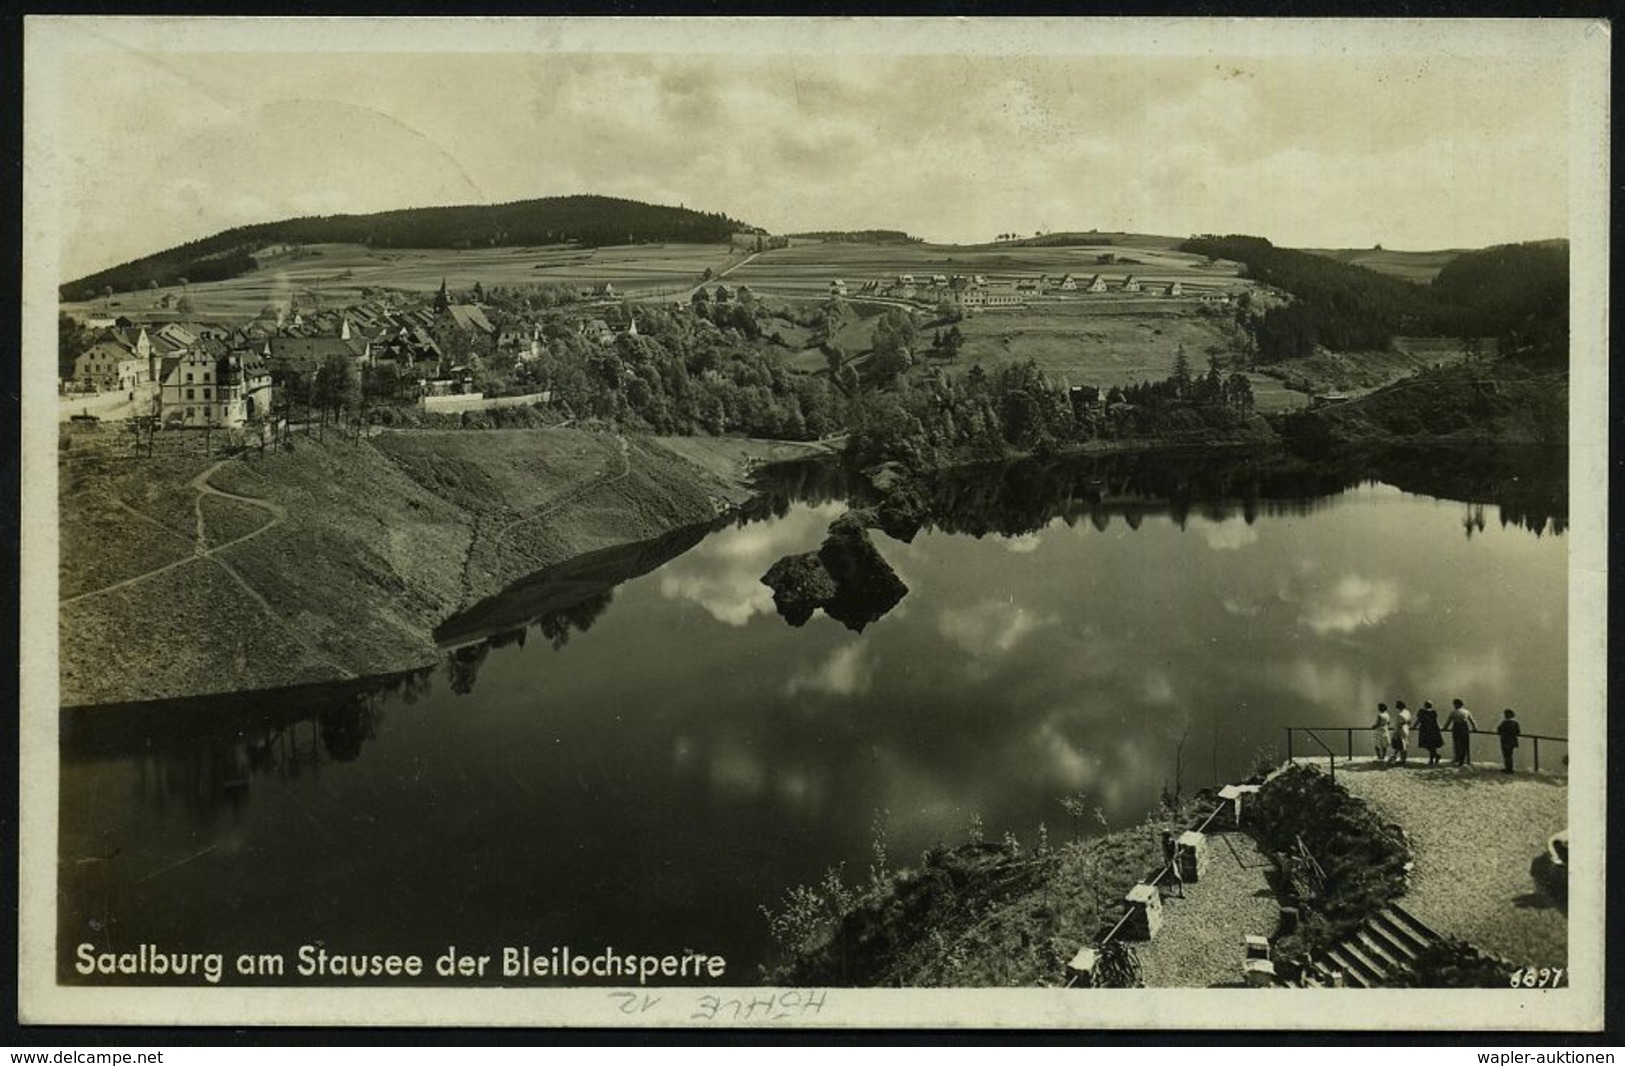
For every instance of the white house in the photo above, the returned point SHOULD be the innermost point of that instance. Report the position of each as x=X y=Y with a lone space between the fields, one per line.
x=203 y=387
x=108 y=365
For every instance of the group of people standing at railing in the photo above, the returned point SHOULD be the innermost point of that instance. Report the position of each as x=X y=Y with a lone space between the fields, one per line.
x=1391 y=735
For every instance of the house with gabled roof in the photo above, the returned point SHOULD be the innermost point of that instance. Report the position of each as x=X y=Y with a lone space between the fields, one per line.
x=1096 y=284
x=108 y=365
x=211 y=385
x=304 y=355
x=471 y=319
x=1131 y=284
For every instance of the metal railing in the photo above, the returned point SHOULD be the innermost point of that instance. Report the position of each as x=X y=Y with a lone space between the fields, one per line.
x=1162 y=871
x=1348 y=731
x=1331 y=756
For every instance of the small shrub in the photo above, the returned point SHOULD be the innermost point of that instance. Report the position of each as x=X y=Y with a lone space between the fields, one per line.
x=1118 y=966
x=1362 y=856
x=1452 y=963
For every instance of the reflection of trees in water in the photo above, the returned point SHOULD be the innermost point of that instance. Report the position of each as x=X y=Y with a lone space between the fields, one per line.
x=1023 y=497
x=202 y=779
x=578 y=618
x=463 y=664
x=202 y=755
x=1530 y=486
x=813 y=482
x=1536 y=520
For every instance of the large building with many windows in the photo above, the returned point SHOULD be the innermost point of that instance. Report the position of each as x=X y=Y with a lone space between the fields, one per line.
x=209 y=386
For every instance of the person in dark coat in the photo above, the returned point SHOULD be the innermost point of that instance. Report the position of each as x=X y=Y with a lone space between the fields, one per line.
x=1427 y=731
x=1461 y=725
x=1170 y=858
x=1509 y=738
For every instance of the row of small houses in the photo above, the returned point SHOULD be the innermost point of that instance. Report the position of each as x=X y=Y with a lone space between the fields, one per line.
x=973 y=290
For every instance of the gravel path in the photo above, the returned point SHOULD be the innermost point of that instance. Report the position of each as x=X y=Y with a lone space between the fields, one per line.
x=1200 y=944
x=1475 y=833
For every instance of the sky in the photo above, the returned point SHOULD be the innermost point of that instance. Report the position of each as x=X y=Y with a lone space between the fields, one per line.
x=158 y=137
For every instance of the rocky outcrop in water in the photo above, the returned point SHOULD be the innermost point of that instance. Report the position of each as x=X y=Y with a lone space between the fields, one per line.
x=800 y=586
x=846 y=576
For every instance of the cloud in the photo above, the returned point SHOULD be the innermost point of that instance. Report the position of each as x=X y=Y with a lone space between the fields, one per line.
x=1332 y=151
x=1240 y=608
x=1453 y=673
x=735 y=770
x=1023 y=544
x=1353 y=603
x=1228 y=535
x=847 y=672
x=723 y=575
x=1067 y=764
x=1336 y=686
x=1158 y=688
x=732 y=598
x=992 y=627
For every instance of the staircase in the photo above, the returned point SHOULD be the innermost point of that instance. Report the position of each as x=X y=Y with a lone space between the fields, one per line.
x=1384 y=947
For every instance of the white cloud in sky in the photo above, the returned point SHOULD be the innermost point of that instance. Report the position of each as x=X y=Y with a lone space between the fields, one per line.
x=989 y=628
x=848 y=671
x=1353 y=603
x=724 y=575
x=1228 y=535
x=1414 y=151
x=1024 y=544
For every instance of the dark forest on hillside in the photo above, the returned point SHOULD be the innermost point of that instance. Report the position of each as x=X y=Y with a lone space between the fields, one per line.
x=583 y=220
x=1518 y=293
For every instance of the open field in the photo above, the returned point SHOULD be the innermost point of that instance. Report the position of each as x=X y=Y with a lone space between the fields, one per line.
x=1103 y=349
x=1420 y=267
x=806 y=269
x=338 y=273
x=1357 y=373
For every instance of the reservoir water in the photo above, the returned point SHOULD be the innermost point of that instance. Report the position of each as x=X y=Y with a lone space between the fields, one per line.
x=637 y=752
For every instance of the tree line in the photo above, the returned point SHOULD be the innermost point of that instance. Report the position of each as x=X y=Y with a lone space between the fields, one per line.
x=583 y=220
x=1516 y=293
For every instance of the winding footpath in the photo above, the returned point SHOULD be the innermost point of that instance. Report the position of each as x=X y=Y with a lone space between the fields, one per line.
x=575 y=492
x=200 y=551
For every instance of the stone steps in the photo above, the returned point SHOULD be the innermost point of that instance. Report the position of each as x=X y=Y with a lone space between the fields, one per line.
x=1382 y=949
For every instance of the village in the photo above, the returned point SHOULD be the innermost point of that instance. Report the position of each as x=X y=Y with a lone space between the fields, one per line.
x=165 y=365
x=193 y=374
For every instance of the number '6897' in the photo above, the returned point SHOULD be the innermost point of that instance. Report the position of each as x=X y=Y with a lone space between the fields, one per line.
x=1545 y=977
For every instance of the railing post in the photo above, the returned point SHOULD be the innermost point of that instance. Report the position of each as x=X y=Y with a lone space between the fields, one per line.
x=1537 y=755
x=1348 y=734
x=1288 y=743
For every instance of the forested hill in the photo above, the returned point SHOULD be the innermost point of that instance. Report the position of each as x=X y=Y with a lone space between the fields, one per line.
x=586 y=220
x=1518 y=293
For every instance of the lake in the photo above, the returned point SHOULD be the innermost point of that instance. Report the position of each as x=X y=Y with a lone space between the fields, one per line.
x=637 y=752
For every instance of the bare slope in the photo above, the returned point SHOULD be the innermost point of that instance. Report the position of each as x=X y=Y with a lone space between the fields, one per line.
x=184 y=575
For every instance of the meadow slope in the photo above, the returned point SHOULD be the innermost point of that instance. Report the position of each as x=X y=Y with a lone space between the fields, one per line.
x=185 y=574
